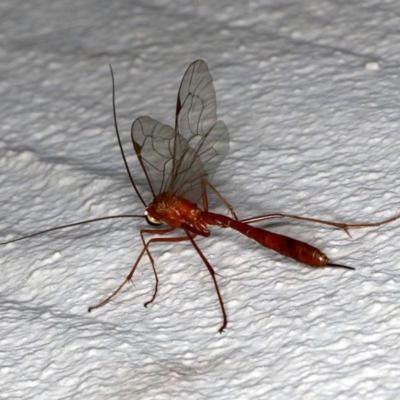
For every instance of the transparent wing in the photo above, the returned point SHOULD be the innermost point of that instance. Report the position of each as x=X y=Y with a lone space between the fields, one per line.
x=177 y=160
x=196 y=121
x=154 y=145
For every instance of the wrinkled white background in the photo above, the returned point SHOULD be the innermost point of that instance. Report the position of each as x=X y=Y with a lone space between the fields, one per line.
x=310 y=93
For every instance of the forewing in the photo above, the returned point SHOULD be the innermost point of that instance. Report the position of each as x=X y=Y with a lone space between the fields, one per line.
x=196 y=106
x=154 y=145
x=196 y=121
x=199 y=163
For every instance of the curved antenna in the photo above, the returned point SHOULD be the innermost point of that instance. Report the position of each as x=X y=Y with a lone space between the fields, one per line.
x=88 y=221
x=119 y=139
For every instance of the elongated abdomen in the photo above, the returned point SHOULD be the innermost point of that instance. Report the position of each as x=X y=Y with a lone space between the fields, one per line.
x=284 y=245
x=289 y=247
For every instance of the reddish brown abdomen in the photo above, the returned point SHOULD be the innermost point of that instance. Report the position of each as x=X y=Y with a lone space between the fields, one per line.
x=292 y=248
x=284 y=245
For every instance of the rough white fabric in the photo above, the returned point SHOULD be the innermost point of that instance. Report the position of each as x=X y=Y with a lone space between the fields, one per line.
x=310 y=93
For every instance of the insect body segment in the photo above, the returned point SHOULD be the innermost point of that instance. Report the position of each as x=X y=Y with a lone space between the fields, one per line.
x=177 y=212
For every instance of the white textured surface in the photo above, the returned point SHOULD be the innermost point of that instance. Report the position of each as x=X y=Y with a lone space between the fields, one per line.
x=310 y=93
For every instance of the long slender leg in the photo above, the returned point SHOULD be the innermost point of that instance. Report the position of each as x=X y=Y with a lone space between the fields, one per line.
x=128 y=278
x=212 y=273
x=153 y=232
x=340 y=225
x=154 y=240
x=229 y=206
x=372 y=224
x=259 y=218
x=145 y=249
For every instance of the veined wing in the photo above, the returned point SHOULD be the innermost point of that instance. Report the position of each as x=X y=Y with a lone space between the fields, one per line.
x=196 y=121
x=154 y=145
x=177 y=160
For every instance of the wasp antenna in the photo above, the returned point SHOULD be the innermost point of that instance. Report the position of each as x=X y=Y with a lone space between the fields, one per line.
x=88 y=221
x=119 y=139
